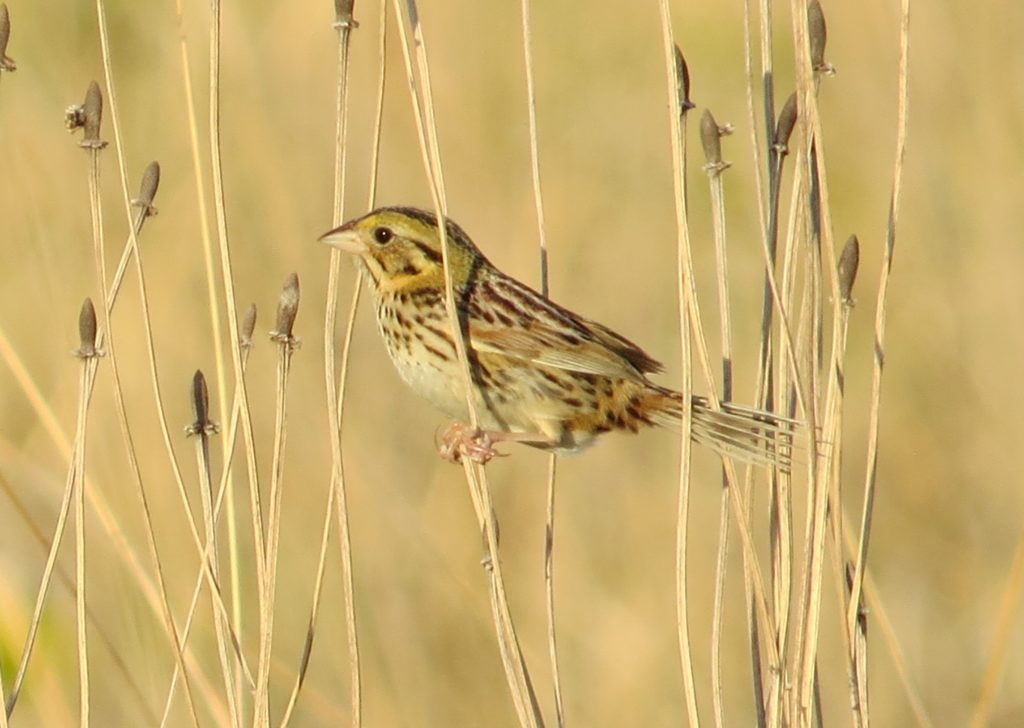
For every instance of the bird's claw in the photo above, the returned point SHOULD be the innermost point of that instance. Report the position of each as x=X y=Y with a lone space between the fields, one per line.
x=461 y=440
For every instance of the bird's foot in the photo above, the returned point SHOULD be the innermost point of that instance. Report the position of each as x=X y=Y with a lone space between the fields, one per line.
x=460 y=440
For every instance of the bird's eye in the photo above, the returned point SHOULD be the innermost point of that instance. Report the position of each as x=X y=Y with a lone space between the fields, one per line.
x=383 y=235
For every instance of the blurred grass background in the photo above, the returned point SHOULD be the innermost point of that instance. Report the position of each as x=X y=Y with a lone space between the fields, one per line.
x=948 y=511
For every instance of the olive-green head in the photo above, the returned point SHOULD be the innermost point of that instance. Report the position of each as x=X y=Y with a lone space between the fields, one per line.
x=400 y=248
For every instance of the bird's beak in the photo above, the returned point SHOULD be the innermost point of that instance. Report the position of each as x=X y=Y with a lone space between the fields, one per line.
x=346 y=240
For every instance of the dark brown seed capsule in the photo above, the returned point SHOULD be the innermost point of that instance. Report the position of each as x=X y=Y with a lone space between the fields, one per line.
x=147 y=188
x=287 y=308
x=817 y=35
x=683 y=83
x=202 y=425
x=92 y=111
x=786 y=123
x=849 y=261
x=6 y=64
x=87 y=330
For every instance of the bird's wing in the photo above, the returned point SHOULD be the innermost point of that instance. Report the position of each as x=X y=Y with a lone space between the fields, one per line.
x=556 y=337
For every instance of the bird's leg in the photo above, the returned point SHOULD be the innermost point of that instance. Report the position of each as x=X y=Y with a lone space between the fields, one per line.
x=460 y=440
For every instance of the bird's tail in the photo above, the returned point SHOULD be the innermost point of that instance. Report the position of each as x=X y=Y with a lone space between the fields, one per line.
x=743 y=433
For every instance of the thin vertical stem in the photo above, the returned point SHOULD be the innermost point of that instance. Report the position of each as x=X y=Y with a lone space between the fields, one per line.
x=1005 y=619
x=286 y=346
x=515 y=667
x=147 y=326
x=335 y=391
x=227 y=281
x=202 y=428
x=678 y=140
x=79 y=458
x=883 y=289
x=80 y=592
x=538 y=202
x=711 y=135
x=222 y=490
x=213 y=309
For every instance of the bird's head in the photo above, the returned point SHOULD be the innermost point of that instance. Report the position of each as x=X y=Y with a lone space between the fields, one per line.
x=400 y=248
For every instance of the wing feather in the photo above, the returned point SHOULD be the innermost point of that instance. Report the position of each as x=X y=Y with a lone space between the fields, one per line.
x=555 y=336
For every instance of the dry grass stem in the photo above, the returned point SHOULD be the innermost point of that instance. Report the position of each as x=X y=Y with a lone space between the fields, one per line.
x=337 y=499
x=677 y=79
x=144 y=305
x=538 y=203
x=287 y=309
x=249 y=324
x=690 y=307
x=426 y=127
x=1005 y=621
x=154 y=377
x=227 y=281
x=86 y=353
x=93 y=110
x=78 y=487
x=201 y=428
x=711 y=134
x=883 y=290
x=213 y=309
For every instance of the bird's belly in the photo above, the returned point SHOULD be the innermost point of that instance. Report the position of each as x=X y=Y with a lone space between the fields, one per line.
x=438 y=379
x=432 y=383
x=508 y=395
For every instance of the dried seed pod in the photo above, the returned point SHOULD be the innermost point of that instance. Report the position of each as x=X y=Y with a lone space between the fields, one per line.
x=93 y=110
x=147 y=189
x=5 y=27
x=785 y=125
x=849 y=261
x=248 y=326
x=202 y=425
x=817 y=34
x=200 y=398
x=683 y=83
x=6 y=63
x=88 y=117
x=287 y=308
x=711 y=138
x=87 y=331
x=343 y=10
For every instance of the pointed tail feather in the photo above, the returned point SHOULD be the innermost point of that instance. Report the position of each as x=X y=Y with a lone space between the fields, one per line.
x=743 y=433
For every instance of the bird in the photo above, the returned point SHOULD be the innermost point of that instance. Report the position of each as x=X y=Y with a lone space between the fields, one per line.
x=538 y=373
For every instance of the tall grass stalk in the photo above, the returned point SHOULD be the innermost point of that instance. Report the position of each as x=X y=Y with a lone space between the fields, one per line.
x=516 y=673
x=201 y=429
x=248 y=324
x=677 y=82
x=214 y=312
x=711 y=134
x=287 y=343
x=337 y=498
x=230 y=301
x=538 y=204
x=144 y=307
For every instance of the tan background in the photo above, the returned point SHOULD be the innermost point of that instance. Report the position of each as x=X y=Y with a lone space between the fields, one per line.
x=948 y=512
